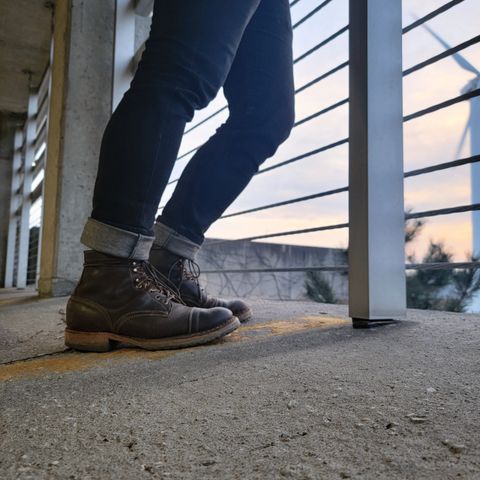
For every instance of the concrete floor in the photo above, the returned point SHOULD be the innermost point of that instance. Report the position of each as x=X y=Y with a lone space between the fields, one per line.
x=295 y=394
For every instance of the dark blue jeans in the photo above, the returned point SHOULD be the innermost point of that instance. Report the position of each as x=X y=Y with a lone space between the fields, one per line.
x=195 y=47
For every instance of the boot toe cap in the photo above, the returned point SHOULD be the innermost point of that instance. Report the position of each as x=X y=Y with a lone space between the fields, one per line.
x=210 y=318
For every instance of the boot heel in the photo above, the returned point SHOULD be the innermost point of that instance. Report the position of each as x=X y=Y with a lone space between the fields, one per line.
x=88 y=341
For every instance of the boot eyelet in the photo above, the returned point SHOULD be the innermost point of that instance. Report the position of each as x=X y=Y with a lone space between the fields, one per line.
x=135 y=270
x=134 y=263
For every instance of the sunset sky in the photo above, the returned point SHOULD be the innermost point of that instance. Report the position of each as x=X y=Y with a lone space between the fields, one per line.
x=430 y=140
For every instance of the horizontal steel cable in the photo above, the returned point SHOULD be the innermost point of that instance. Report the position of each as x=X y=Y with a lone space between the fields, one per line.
x=406 y=118
x=442 y=105
x=332 y=268
x=408 y=216
x=429 y=16
x=321 y=112
x=291 y=160
x=310 y=14
x=304 y=155
x=443 y=166
x=444 y=54
x=322 y=77
x=288 y=202
x=444 y=211
x=282 y=234
x=442 y=265
x=298 y=90
x=412 y=173
x=345 y=268
x=299 y=122
x=342 y=102
x=321 y=44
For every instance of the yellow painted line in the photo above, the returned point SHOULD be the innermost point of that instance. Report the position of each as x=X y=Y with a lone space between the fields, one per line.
x=19 y=299
x=284 y=327
x=76 y=361
x=72 y=362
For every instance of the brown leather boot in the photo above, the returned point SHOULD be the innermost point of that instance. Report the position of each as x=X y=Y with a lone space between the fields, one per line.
x=183 y=273
x=119 y=300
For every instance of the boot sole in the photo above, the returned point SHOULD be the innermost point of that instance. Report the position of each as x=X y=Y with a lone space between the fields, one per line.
x=106 y=341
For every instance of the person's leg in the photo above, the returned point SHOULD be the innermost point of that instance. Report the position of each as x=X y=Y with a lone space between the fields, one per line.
x=260 y=93
x=188 y=55
x=120 y=297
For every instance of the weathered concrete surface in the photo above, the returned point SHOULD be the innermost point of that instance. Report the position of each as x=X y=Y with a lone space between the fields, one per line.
x=295 y=394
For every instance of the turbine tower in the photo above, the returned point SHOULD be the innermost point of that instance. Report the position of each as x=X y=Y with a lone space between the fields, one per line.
x=472 y=126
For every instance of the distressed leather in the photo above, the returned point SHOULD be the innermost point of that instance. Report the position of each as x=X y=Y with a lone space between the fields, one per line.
x=174 y=268
x=122 y=296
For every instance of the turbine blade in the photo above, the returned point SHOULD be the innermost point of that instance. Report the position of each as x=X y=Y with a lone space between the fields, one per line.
x=460 y=59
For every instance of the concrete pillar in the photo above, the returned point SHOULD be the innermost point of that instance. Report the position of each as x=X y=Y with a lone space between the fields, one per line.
x=80 y=106
x=7 y=134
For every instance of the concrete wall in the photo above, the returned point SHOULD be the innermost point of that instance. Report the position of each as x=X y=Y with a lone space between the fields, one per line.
x=79 y=110
x=278 y=285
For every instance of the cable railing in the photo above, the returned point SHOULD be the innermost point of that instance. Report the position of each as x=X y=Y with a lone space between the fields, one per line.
x=31 y=154
x=448 y=53
x=465 y=96
x=23 y=244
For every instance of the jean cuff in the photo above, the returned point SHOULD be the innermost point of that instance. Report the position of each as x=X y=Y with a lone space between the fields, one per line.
x=174 y=242
x=116 y=241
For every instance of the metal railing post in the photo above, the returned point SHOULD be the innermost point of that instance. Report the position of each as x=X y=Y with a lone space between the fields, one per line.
x=376 y=208
x=123 y=49
x=26 y=190
x=14 y=205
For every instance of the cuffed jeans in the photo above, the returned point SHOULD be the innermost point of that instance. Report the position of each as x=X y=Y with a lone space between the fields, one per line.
x=194 y=48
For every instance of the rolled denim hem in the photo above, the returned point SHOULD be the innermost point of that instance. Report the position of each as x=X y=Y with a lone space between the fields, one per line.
x=174 y=242
x=116 y=241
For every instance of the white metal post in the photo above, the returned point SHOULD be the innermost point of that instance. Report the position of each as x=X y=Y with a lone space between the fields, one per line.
x=14 y=205
x=30 y=134
x=475 y=167
x=123 y=49
x=376 y=205
x=47 y=89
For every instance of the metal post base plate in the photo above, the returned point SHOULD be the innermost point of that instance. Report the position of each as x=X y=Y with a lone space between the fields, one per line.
x=364 y=323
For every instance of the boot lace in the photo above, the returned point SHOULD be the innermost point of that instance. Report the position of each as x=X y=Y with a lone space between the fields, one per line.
x=190 y=270
x=150 y=279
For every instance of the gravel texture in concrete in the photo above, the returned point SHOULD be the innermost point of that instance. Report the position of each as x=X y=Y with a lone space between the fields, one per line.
x=295 y=394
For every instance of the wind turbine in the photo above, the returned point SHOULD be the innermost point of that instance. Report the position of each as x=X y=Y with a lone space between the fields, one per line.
x=473 y=125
